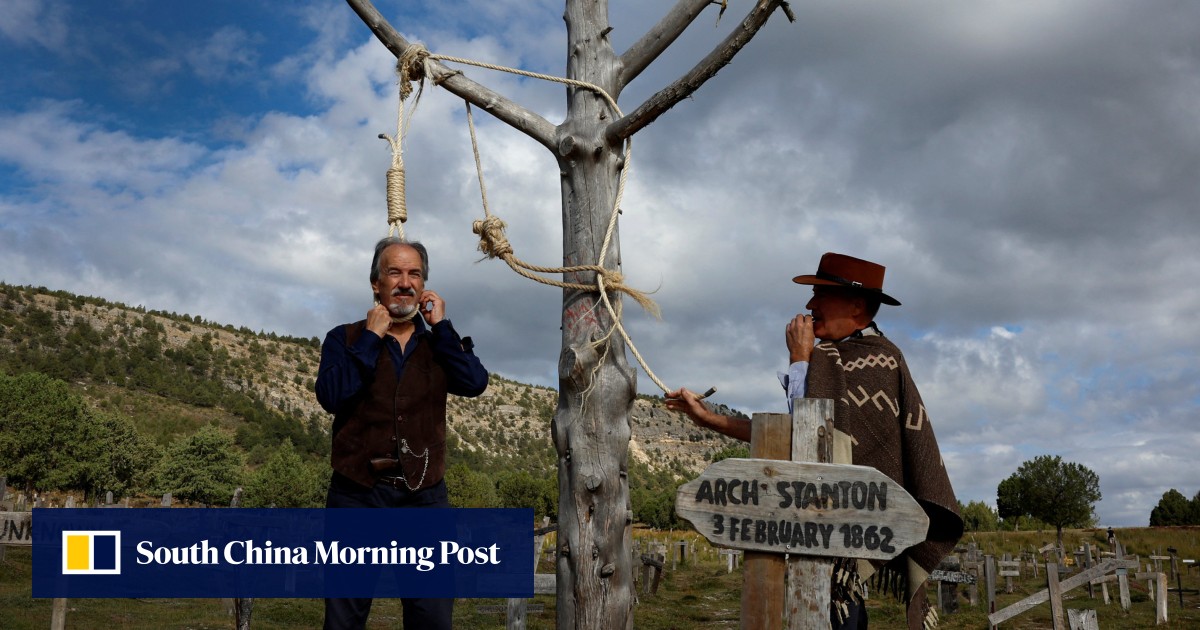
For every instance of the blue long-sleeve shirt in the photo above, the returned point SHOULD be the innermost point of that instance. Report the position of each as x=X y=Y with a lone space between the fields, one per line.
x=794 y=381
x=346 y=368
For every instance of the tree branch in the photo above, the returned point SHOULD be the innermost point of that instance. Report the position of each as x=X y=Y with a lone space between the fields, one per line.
x=719 y=57
x=642 y=53
x=525 y=121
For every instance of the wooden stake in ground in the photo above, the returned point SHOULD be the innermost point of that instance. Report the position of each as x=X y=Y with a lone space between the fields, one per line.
x=1056 y=603
x=763 y=575
x=808 y=597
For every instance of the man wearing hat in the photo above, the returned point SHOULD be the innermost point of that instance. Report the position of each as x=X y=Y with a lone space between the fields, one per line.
x=877 y=403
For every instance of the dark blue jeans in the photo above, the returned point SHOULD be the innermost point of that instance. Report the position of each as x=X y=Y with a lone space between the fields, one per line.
x=419 y=613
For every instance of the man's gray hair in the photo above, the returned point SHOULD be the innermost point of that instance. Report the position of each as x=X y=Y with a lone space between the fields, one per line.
x=387 y=242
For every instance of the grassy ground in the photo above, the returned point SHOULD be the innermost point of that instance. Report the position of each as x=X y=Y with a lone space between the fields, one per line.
x=698 y=595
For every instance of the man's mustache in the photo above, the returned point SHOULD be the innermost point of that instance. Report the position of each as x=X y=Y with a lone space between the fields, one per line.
x=398 y=291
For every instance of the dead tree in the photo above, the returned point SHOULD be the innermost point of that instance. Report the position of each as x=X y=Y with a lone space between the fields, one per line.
x=591 y=428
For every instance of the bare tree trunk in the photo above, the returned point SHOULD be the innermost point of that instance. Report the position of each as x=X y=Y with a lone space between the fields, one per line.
x=596 y=385
x=591 y=427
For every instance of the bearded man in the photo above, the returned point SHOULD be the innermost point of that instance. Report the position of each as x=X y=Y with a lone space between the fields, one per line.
x=385 y=379
x=856 y=367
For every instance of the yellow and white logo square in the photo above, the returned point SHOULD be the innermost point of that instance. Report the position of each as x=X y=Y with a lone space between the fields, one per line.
x=91 y=552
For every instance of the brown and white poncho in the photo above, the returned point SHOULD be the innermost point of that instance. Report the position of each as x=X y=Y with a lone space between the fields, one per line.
x=877 y=403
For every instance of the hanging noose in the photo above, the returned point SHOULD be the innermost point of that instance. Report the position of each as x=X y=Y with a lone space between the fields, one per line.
x=410 y=67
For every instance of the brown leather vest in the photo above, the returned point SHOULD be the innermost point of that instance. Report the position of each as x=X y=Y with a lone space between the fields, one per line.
x=387 y=414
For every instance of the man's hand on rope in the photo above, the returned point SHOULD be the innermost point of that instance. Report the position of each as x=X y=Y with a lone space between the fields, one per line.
x=433 y=307
x=379 y=320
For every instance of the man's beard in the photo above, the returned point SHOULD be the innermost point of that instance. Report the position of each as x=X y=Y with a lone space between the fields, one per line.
x=400 y=312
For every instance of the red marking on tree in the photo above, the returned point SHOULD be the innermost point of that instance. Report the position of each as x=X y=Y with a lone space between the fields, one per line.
x=581 y=314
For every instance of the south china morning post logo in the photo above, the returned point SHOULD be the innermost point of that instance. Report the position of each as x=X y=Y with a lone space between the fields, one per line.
x=222 y=552
x=91 y=552
x=251 y=552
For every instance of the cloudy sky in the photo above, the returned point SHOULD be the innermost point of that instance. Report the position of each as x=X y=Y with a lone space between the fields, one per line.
x=1028 y=170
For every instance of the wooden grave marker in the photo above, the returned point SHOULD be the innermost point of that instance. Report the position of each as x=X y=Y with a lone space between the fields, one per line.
x=1080 y=619
x=1079 y=579
x=1178 y=577
x=953 y=577
x=812 y=512
x=805 y=508
x=1156 y=586
x=16 y=529
x=948 y=576
x=1008 y=569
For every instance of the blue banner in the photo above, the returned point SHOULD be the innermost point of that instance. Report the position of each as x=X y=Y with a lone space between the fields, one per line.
x=227 y=552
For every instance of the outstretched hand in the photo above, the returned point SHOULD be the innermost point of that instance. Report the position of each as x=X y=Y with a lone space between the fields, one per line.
x=688 y=402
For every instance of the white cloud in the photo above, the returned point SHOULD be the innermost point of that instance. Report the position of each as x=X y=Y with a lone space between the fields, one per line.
x=55 y=145
x=229 y=53
x=31 y=22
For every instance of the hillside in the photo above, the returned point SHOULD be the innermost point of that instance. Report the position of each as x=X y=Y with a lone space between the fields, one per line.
x=174 y=373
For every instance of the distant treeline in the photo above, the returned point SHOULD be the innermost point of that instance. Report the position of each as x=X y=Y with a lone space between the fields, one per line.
x=1175 y=509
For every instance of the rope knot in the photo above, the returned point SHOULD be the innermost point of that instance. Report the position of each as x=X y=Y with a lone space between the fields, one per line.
x=411 y=66
x=492 y=240
x=613 y=278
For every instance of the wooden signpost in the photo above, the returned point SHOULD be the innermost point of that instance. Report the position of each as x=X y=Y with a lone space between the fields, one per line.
x=16 y=528
x=803 y=508
x=954 y=577
x=789 y=500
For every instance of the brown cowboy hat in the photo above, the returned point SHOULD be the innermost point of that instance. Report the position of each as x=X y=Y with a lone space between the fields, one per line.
x=840 y=270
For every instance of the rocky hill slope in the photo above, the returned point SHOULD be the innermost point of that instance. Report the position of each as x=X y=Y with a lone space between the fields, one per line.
x=192 y=370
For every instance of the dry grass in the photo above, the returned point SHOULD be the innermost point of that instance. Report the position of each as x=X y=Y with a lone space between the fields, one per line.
x=698 y=595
